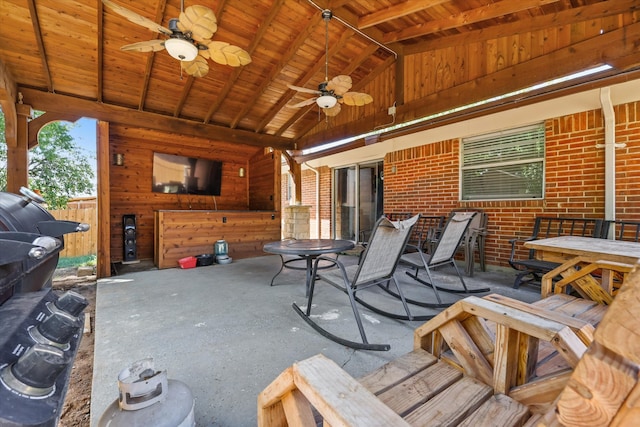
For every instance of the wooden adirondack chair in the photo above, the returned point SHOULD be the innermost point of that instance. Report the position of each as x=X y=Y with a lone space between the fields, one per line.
x=489 y=361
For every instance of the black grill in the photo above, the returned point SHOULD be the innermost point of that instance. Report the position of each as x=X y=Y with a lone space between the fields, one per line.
x=41 y=330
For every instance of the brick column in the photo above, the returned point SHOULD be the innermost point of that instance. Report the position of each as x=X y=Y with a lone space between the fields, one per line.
x=296 y=222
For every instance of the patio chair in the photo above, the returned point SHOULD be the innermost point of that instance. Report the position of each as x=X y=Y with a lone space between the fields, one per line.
x=377 y=265
x=474 y=239
x=426 y=231
x=443 y=254
x=485 y=362
x=391 y=216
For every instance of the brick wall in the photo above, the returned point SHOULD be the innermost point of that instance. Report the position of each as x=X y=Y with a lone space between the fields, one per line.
x=628 y=161
x=425 y=179
x=309 y=190
x=325 y=201
x=309 y=199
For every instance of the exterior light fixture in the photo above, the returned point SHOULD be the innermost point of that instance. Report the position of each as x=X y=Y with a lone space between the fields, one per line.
x=181 y=49
x=118 y=159
x=241 y=172
x=326 y=101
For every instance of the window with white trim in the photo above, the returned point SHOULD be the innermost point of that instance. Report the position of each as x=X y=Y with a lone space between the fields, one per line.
x=504 y=165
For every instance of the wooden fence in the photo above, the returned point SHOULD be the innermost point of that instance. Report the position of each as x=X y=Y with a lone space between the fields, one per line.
x=79 y=244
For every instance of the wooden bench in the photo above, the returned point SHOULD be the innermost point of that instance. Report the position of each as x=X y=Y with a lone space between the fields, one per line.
x=545 y=227
x=576 y=275
x=489 y=361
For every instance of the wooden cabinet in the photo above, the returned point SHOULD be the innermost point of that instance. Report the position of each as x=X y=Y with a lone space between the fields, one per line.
x=183 y=233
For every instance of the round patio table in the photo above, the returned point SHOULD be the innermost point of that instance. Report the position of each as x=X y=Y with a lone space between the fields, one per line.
x=307 y=249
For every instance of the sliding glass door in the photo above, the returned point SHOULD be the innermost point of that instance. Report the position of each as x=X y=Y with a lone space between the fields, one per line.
x=357 y=200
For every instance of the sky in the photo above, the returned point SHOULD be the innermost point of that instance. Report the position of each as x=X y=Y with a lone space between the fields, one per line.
x=83 y=132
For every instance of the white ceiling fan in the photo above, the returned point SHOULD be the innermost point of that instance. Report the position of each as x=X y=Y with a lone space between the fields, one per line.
x=189 y=39
x=331 y=93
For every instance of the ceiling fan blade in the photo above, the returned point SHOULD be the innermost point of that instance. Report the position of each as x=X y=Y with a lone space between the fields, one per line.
x=304 y=89
x=333 y=111
x=196 y=68
x=148 y=46
x=357 y=98
x=136 y=19
x=199 y=20
x=339 y=84
x=303 y=103
x=226 y=54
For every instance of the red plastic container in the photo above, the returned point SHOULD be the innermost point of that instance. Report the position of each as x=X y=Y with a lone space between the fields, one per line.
x=188 y=262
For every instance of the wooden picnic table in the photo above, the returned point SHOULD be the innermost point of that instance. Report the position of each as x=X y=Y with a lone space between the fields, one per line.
x=579 y=257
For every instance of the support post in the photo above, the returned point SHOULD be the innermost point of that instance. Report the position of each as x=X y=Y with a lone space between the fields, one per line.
x=17 y=158
x=296 y=172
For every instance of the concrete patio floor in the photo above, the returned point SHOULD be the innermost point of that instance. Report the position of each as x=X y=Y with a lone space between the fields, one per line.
x=224 y=332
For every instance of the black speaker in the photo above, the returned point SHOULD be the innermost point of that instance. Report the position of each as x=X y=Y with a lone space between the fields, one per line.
x=129 y=247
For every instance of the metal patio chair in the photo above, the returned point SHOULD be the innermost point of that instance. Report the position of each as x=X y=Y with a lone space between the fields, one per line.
x=426 y=232
x=443 y=253
x=377 y=265
x=474 y=239
x=391 y=216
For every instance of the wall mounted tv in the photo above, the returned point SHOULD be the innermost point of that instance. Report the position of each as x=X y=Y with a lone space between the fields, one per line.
x=186 y=175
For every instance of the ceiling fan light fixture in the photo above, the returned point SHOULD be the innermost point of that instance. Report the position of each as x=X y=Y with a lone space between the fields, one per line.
x=181 y=49
x=326 y=101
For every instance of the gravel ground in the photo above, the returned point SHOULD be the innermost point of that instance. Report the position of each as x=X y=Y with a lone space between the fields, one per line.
x=77 y=406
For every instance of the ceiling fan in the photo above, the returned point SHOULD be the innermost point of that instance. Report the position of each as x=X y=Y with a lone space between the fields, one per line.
x=189 y=39
x=331 y=93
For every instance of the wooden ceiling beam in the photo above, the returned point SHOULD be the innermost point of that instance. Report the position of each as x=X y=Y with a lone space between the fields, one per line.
x=353 y=65
x=238 y=70
x=38 y=34
x=396 y=11
x=297 y=116
x=370 y=77
x=358 y=61
x=334 y=4
x=352 y=20
x=264 y=26
x=306 y=79
x=45 y=101
x=348 y=19
x=8 y=100
x=183 y=96
x=536 y=23
x=489 y=11
x=149 y=64
x=291 y=52
x=605 y=48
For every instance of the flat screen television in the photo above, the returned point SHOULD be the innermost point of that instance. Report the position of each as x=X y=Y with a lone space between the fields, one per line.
x=186 y=175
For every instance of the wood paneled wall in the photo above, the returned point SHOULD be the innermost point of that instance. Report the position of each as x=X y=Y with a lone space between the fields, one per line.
x=494 y=64
x=180 y=234
x=130 y=184
x=264 y=191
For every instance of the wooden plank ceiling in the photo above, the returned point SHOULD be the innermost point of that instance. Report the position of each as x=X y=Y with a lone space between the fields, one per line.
x=424 y=56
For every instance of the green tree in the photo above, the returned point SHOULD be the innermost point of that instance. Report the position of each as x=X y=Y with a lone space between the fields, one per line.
x=58 y=167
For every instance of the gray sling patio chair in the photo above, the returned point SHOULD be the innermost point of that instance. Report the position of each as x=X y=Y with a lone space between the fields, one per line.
x=443 y=253
x=377 y=265
x=474 y=239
